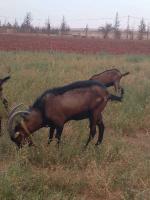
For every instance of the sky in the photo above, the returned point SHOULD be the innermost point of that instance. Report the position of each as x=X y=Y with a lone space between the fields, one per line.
x=77 y=13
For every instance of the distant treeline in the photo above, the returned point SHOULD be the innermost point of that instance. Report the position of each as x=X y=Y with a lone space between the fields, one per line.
x=27 y=27
x=107 y=31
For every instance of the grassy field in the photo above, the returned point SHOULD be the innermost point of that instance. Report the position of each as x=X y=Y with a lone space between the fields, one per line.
x=119 y=169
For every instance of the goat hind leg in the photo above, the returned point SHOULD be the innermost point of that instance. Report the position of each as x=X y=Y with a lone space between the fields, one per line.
x=51 y=134
x=92 y=131
x=101 y=132
x=58 y=134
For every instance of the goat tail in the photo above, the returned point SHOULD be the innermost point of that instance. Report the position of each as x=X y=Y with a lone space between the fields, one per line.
x=125 y=74
x=4 y=79
x=116 y=98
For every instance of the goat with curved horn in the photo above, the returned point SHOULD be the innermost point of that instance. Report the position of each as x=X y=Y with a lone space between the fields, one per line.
x=56 y=106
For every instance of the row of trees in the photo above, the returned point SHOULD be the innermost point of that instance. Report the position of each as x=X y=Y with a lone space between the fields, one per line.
x=27 y=27
x=143 y=30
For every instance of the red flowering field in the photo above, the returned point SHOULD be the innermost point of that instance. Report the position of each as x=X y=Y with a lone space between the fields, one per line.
x=22 y=42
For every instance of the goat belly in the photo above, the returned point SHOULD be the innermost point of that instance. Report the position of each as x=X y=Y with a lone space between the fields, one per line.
x=80 y=116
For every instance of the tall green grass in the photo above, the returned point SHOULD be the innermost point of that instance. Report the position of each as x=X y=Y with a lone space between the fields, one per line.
x=117 y=170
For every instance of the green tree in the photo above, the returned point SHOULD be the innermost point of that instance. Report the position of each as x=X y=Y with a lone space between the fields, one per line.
x=48 y=27
x=117 y=33
x=142 y=29
x=63 y=27
x=106 y=30
x=16 y=25
x=86 y=30
x=26 y=25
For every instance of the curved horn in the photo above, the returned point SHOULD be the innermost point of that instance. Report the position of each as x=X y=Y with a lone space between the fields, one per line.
x=14 y=109
x=10 y=120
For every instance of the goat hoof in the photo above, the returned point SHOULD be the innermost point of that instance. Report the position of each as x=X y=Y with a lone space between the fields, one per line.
x=97 y=144
x=49 y=141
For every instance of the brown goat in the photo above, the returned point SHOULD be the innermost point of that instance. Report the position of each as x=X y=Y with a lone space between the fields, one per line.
x=109 y=78
x=55 y=107
x=3 y=100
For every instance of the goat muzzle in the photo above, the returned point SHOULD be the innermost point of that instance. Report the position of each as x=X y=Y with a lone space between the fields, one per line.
x=12 y=119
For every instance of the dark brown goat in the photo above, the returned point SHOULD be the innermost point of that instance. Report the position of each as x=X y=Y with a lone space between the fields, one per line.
x=3 y=100
x=109 y=78
x=55 y=107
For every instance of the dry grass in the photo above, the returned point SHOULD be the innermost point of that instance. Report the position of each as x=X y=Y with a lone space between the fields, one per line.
x=118 y=170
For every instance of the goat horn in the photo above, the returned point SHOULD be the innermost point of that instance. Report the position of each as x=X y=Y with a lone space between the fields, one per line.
x=14 y=109
x=11 y=118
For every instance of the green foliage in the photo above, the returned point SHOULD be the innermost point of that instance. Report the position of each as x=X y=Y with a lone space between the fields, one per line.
x=135 y=59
